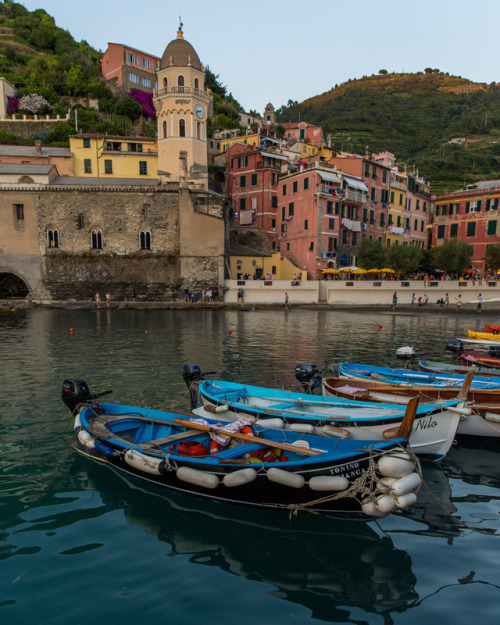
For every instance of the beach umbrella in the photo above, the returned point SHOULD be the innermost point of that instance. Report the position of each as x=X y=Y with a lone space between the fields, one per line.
x=470 y=270
x=348 y=269
x=387 y=270
x=360 y=271
x=330 y=271
x=373 y=270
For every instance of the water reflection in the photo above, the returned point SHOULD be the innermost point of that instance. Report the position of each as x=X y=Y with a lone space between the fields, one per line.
x=324 y=565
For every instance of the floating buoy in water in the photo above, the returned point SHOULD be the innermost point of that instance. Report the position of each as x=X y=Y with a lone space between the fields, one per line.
x=147 y=464
x=380 y=327
x=229 y=331
x=71 y=330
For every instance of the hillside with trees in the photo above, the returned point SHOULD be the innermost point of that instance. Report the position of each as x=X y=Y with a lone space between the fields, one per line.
x=446 y=126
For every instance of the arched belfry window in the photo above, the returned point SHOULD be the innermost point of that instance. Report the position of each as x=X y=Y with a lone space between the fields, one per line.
x=165 y=83
x=182 y=128
x=96 y=239
x=164 y=129
x=198 y=130
x=145 y=240
x=180 y=83
x=196 y=83
x=52 y=238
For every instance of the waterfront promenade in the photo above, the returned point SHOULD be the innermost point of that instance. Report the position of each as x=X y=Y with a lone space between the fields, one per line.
x=339 y=294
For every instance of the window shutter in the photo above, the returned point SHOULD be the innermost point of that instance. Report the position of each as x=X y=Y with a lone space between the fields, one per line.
x=467 y=207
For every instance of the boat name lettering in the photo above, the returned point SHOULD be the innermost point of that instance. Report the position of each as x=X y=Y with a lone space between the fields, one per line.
x=425 y=424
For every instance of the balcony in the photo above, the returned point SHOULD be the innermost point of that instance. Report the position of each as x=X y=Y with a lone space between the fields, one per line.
x=326 y=189
x=176 y=90
x=358 y=197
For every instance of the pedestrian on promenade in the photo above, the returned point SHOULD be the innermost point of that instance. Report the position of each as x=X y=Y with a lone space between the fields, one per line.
x=394 y=300
x=413 y=298
x=446 y=300
x=286 y=300
x=133 y=295
x=479 y=302
x=240 y=296
x=459 y=303
x=108 y=300
x=97 y=298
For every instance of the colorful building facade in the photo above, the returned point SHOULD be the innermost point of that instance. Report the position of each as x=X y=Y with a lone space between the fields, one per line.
x=128 y=68
x=471 y=215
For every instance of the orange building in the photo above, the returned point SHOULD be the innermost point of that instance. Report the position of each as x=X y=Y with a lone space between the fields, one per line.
x=129 y=68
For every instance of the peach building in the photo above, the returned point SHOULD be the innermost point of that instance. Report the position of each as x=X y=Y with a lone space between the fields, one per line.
x=129 y=68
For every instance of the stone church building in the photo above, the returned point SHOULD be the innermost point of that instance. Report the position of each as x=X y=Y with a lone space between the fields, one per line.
x=64 y=237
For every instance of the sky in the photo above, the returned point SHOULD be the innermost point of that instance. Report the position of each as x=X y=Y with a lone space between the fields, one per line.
x=275 y=51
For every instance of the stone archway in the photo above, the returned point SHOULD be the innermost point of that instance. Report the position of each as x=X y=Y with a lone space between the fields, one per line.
x=12 y=286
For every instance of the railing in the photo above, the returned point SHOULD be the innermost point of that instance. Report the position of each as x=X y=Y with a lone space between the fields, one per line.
x=360 y=197
x=175 y=89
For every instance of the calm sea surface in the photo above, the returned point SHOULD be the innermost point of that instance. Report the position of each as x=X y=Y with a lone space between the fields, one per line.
x=80 y=544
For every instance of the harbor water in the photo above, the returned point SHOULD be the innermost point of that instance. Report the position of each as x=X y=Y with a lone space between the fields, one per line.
x=79 y=543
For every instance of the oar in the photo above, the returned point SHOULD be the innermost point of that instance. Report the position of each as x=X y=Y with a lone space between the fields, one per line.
x=405 y=427
x=248 y=438
x=464 y=391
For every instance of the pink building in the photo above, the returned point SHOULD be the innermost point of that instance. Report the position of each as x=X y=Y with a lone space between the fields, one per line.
x=303 y=131
x=129 y=68
x=252 y=178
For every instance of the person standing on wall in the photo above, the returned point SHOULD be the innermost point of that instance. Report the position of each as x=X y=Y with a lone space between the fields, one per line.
x=479 y=302
x=286 y=300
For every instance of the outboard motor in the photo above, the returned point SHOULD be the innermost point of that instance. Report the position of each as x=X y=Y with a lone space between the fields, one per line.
x=192 y=375
x=456 y=347
x=75 y=391
x=408 y=354
x=494 y=351
x=309 y=377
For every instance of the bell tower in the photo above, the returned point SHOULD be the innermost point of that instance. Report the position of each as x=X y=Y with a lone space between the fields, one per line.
x=181 y=104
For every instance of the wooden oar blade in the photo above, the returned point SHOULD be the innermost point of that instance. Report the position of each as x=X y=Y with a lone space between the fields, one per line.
x=406 y=426
x=464 y=391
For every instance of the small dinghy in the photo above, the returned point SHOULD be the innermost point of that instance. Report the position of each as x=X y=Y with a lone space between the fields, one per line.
x=241 y=464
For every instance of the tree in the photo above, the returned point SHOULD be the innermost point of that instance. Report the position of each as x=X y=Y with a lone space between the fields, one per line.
x=493 y=257
x=128 y=108
x=370 y=254
x=404 y=258
x=453 y=255
x=383 y=72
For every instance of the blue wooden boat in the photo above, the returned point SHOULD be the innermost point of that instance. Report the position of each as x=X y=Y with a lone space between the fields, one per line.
x=355 y=371
x=284 y=470
x=433 y=432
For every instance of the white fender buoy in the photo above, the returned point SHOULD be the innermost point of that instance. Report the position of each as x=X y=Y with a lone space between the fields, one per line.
x=328 y=482
x=369 y=508
x=384 y=484
x=273 y=424
x=395 y=465
x=238 y=478
x=405 y=500
x=199 y=478
x=141 y=462
x=491 y=416
x=333 y=430
x=385 y=503
x=222 y=408
x=78 y=423
x=463 y=412
x=406 y=484
x=86 y=439
x=285 y=477
x=305 y=428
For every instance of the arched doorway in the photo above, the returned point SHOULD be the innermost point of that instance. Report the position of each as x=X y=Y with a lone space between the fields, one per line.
x=12 y=286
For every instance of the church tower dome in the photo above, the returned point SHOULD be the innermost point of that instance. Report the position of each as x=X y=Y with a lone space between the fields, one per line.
x=182 y=105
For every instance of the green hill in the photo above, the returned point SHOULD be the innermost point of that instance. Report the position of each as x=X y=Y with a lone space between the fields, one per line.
x=422 y=118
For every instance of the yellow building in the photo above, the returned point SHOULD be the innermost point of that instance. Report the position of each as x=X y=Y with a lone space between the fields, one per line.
x=251 y=139
x=97 y=156
x=275 y=265
x=397 y=205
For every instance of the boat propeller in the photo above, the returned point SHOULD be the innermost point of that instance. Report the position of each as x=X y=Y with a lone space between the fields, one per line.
x=76 y=391
x=192 y=375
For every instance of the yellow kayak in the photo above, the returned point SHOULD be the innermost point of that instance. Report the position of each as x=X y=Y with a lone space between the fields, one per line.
x=483 y=336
